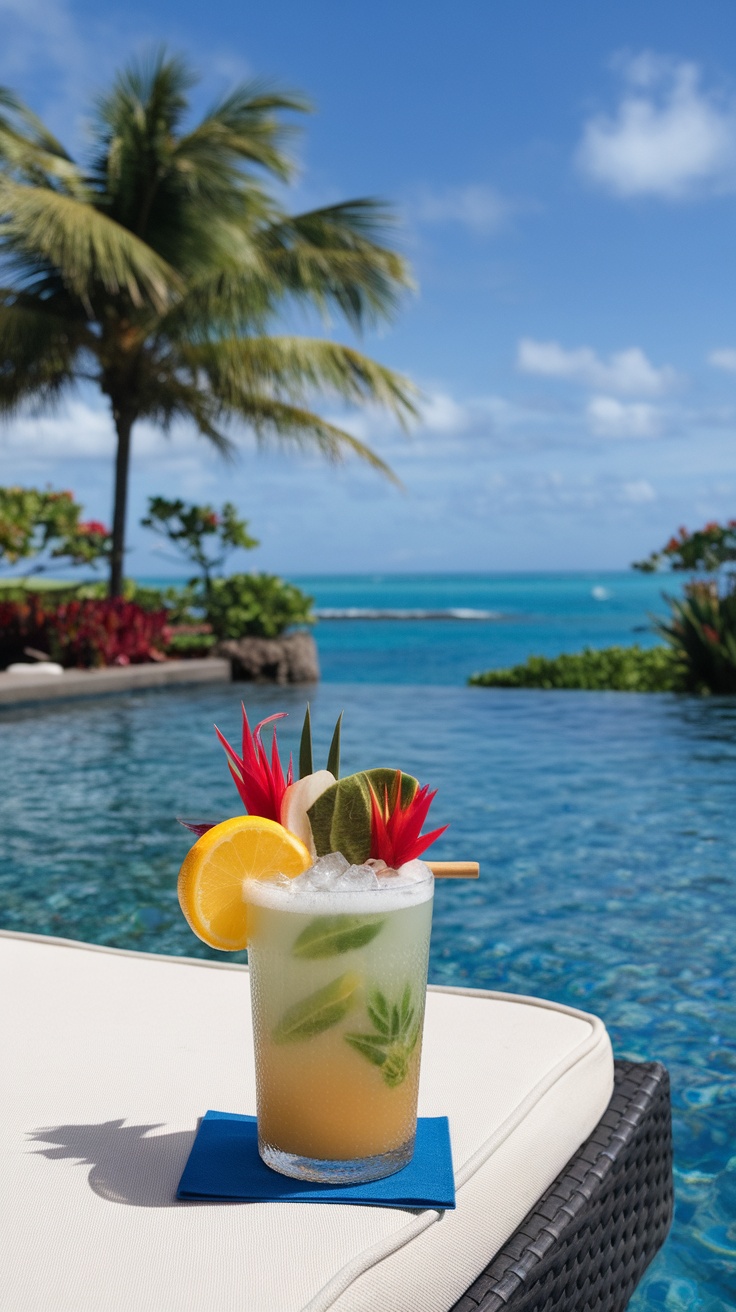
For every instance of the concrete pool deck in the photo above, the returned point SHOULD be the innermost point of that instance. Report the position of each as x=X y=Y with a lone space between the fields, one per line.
x=19 y=689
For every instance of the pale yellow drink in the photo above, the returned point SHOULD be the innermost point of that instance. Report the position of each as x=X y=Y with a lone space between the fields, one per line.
x=338 y=983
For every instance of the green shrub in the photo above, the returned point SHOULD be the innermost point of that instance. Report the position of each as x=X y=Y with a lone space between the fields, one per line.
x=255 y=605
x=620 y=669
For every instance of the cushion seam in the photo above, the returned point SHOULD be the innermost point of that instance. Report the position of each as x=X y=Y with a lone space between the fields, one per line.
x=421 y=1223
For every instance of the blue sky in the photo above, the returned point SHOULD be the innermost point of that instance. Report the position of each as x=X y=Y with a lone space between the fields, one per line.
x=566 y=179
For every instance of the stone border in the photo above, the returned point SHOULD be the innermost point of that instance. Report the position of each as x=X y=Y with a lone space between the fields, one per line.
x=17 y=689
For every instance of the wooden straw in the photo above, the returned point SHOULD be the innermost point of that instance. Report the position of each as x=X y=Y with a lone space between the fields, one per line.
x=454 y=869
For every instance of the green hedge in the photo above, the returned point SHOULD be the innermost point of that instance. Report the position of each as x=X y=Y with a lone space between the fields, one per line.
x=619 y=669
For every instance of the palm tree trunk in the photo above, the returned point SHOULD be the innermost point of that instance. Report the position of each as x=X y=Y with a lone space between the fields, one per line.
x=124 y=428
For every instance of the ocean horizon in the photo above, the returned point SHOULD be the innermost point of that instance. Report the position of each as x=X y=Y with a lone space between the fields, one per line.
x=438 y=629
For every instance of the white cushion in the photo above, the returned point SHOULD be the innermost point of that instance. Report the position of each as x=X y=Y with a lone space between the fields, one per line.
x=110 y=1058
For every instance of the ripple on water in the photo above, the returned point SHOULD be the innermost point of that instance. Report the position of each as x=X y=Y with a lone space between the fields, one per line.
x=603 y=823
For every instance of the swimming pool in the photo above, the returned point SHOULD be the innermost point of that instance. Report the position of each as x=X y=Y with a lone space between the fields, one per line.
x=603 y=822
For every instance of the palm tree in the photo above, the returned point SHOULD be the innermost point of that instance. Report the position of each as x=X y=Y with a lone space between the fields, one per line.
x=155 y=271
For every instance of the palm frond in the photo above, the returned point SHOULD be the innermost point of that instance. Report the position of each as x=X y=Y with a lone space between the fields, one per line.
x=39 y=351
x=334 y=256
x=36 y=381
x=244 y=127
x=289 y=424
x=171 y=186
x=28 y=150
x=292 y=368
x=135 y=130
x=176 y=399
x=89 y=250
x=29 y=328
x=150 y=95
x=235 y=298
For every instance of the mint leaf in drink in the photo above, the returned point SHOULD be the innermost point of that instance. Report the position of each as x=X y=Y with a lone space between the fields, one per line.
x=367 y=1046
x=395 y=1038
x=320 y=1011
x=377 y=1008
x=329 y=936
x=396 y=1066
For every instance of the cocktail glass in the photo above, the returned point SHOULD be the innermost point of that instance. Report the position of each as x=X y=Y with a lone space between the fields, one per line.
x=338 y=986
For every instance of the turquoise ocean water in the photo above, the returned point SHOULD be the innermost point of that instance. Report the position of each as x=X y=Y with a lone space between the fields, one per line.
x=454 y=624
x=603 y=823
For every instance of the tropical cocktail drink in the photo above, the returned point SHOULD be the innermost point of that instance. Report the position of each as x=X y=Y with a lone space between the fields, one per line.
x=338 y=983
x=321 y=881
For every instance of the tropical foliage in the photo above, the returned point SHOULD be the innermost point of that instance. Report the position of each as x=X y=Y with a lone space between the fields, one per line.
x=81 y=633
x=255 y=605
x=45 y=526
x=618 y=669
x=701 y=634
x=701 y=631
x=707 y=550
x=202 y=535
x=154 y=271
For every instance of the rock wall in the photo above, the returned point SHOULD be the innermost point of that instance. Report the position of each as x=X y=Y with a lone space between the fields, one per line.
x=290 y=659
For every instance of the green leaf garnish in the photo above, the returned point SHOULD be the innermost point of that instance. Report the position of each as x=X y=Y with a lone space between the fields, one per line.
x=395 y=1039
x=328 y=936
x=306 y=757
x=320 y=1011
x=333 y=759
x=341 y=817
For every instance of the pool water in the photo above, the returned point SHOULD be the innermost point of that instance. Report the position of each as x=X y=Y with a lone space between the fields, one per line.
x=604 y=827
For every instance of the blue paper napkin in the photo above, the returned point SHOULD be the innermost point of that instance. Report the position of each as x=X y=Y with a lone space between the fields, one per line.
x=224 y=1164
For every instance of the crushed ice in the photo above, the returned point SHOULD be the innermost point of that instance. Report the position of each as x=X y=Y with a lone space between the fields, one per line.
x=335 y=873
x=326 y=871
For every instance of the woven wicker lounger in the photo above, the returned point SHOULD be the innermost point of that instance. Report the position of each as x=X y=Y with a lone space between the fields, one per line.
x=589 y=1239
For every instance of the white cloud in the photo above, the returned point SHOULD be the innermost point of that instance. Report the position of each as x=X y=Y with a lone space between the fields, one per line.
x=480 y=208
x=628 y=372
x=77 y=431
x=84 y=432
x=608 y=417
x=725 y=358
x=639 y=492
x=668 y=136
x=442 y=414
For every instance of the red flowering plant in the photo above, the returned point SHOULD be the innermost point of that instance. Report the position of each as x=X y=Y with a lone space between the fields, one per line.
x=705 y=551
x=82 y=633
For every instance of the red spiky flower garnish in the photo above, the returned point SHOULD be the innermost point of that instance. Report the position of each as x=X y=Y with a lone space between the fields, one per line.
x=396 y=825
x=260 y=782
